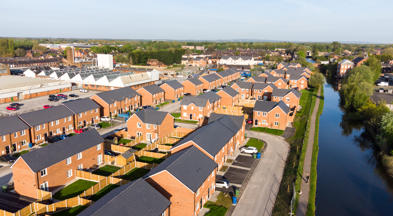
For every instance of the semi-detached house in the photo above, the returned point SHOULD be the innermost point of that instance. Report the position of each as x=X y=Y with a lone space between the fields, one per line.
x=45 y=123
x=117 y=101
x=291 y=97
x=262 y=91
x=151 y=95
x=195 y=108
x=244 y=89
x=150 y=124
x=270 y=114
x=135 y=198
x=173 y=89
x=193 y=86
x=54 y=166
x=187 y=178
x=14 y=135
x=211 y=81
x=214 y=99
x=229 y=96
x=86 y=112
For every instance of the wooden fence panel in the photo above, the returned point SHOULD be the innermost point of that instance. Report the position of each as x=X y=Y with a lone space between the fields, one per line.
x=119 y=148
x=88 y=175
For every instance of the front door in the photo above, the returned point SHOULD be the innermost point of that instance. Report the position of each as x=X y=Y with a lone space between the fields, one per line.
x=13 y=147
x=7 y=149
x=148 y=137
x=256 y=122
x=190 y=116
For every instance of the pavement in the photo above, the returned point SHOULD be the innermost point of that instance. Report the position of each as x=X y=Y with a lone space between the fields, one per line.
x=38 y=102
x=171 y=107
x=260 y=193
x=305 y=186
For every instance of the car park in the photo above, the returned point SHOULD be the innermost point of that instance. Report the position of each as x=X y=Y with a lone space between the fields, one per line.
x=221 y=183
x=248 y=149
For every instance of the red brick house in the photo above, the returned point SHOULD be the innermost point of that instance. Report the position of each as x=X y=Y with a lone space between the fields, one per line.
x=173 y=89
x=14 y=135
x=211 y=81
x=86 y=112
x=290 y=97
x=54 y=166
x=262 y=91
x=343 y=67
x=151 y=124
x=270 y=114
x=195 y=108
x=193 y=86
x=244 y=89
x=151 y=95
x=279 y=82
x=229 y=96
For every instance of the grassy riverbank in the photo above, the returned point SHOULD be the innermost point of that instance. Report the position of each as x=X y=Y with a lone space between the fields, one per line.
x=284 y=196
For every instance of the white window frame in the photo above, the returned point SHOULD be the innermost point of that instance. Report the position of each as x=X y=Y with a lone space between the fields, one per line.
x=98 y=147
x=44 y=172
x=79 y=156
x=68 y=160
x=22 y=132
x=69 y=173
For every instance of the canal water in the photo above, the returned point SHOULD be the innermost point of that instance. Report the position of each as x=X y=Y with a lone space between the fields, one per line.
x=350 y=179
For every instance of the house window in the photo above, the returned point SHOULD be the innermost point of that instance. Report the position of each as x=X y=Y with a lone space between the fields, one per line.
x=97 y=110
x=68 y=161
x=16 y=134
x=185 y=114
x=65 y=120
x=275 y=123
x=155 y=126
x=99 y=159
x=138 y=125
x=57 y=122
x=98 y=147
x=43 y=172
x=264 y=113
x=264 y=122
x=79 y=156
x=287 y=98
x=163 y=214
x=197 y=193
x=22 y=133
x=43 y=126
x=69 y=118
x=277 y=115
x=69 y=127
x=24 y=142
x=80 y=167
x=148 y=126
x=57 y=130
x=200 y=108
x=69 y=173
x=258 y=113
x=51 y=123
x=4 y=138
x=80 y=115
x=44 y=186
x=38 y=128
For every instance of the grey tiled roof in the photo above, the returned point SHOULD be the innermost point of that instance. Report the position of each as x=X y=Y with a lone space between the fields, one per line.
x=243 y=85
x=282 y=92
x=190 y=166
x=117 y=94
x=134 y=198
x=230 y=91
x=81 y=105
x=262 y=85
x=45 y=115
x=266 y=106
x=153 y=89
x=11 y=124
x=211 y=96
x=259 y=79
x=127 y=154
x=53 y=153
x=232 y=122
x=210 y=77
x=174 y=84
x=198 y=101
x=151 y=116
x=195 y=81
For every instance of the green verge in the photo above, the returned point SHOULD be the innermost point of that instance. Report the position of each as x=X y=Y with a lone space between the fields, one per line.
x=284 y=195
x=186 y=121
x=314 y=161
x=255 y=143
x=268 y=130
x=73 y=189
x=176 y=115
x=220 y=207
x=106 y=170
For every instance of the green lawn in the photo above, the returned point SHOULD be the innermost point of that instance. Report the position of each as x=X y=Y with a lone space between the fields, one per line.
x=72 y=211
x=255 y=143
x=224 y=168
x=124 y=141
x=163 y=104
x=43 y=145
x=73 y=189
x=147 y=159
x=176 y=115
x=220 y=207
x=103 y=191
x=104 y=124
x=186 y=121
x=135 y=174
x=106 y=170
x=20 y=153
x=139 y=146
x=268 y=130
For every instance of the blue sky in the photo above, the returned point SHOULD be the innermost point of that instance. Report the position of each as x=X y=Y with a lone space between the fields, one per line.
x=287 y=20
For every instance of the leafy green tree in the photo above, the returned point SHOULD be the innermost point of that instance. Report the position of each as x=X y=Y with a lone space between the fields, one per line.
x=317 y=79
x=19 y=52
x=385 y=137
x=375 y=66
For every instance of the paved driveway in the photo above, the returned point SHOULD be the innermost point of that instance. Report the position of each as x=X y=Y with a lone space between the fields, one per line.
x=259 y=196
x=171 y=107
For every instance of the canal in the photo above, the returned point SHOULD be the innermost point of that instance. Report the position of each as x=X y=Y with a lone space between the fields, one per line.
x=350 y=179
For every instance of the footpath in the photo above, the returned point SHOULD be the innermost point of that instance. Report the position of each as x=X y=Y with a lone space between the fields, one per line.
x=305 y=186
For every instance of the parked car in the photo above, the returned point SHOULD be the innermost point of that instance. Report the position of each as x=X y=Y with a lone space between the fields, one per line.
x=104 y=118
x=249 y=121
x=12 y=108
x=62 y=96
x=96 y=126
x=248 y=149
x=16 y=104
x=73 y=95
x=47 y=106
x=222 y=184
x=53 y=98
x=83 y=90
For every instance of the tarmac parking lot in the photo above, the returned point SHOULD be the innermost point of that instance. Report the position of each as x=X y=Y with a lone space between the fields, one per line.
x=38 y=102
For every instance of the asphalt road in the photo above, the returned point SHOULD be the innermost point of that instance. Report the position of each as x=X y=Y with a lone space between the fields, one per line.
x=260 y=194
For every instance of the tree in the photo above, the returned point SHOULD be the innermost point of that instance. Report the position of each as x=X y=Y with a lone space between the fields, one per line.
x=317 y=79
x=19 y=52
x=375 y=66
x=385 y=137
x=336 y=47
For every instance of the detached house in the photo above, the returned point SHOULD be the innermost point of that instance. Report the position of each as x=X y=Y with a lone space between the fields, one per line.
x=262 y=91
x=229 y=96
x=218 y=139
x=214 y=99
x=54 y=166
x=151 y=124
x=244 y=89
x=117 y=101
x=290 y=97
x=151 y=95
x=86 y=111
x=193 y=86
x=298 y=81
x=14 y=134
x=195 y=108
x=57 y=120
x=187 y=179
x=271 y=114
x=343 y=67
x=135 y=198
x=279 y=82
x=173 y=90
x=211 y=81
